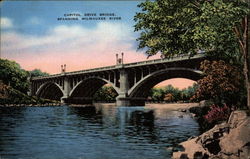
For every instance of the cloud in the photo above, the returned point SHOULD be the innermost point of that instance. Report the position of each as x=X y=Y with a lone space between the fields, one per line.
x=70 y=37
x=6 y=22
x=34 y=21
x=78 y=46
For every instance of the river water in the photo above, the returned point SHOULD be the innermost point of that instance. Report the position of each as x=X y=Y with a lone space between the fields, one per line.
x=95 y=132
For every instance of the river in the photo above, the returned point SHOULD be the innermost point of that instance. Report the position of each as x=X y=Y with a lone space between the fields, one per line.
x=95 y=132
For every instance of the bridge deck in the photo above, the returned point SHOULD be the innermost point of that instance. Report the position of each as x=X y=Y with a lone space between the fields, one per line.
x=128 y=65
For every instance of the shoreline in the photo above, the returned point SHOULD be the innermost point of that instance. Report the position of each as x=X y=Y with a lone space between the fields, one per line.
x=173 y=106
x=170 y=106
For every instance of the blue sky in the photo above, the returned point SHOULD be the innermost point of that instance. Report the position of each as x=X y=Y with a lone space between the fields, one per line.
x=35 y=17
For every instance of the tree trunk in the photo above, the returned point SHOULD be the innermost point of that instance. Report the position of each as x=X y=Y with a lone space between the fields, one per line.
x=246 y=57
x=247 y=83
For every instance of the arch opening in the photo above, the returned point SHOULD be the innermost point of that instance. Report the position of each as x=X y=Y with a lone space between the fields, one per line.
x=105 y=94
x=50 y=91
x=84 y=92
x=142 y=89
x=173 y=90
x=180 y=83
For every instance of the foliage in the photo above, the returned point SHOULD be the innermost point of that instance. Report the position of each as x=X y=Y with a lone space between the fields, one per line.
x=12 y=74
x=38 y=72
x=217 y=113
x=221 y=82
x=105 y=93
x=157 y=94
x=8 y=95
x=171 y=94
x=219 y=28
x=169 y=97
x=166 y=26
x=214 y=31
x=188 y=93
x=167 y=93
x=178 y=27
x=14 y=84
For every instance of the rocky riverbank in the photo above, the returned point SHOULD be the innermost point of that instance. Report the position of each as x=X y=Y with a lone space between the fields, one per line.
x=228 y=140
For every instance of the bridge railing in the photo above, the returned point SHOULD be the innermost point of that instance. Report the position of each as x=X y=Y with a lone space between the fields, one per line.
x=76 y=72
x=171 y=59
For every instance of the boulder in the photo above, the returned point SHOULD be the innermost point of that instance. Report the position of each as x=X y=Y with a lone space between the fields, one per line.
x=237 y=142
x=226 y=140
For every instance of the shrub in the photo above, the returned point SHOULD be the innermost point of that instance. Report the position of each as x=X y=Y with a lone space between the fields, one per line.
x=217 y=113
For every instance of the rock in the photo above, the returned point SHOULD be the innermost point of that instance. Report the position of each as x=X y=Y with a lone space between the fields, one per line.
x=236 y=118
x=183 y=110
x=191 y=147
x=237 y=142
x=170 y=148
x=229 y=140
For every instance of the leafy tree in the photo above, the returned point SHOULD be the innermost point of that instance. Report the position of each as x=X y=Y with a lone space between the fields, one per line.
x=218 y=27
x=175 y=92
x=165 y=26
x=105 y=93
x=157 y=94
x=188 y=93
x=12 y=74
x=171 y=94
x=221 y=82
x=169 y=97
x=38 y=72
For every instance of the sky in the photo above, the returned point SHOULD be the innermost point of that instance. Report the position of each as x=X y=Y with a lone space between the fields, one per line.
x=39 y=34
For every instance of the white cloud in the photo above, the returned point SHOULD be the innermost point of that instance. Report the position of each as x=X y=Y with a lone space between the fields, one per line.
x=34 y=21
x=6 y=22
x=65 y=37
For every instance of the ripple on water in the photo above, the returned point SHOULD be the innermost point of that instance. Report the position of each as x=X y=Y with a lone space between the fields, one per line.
x=103 y=131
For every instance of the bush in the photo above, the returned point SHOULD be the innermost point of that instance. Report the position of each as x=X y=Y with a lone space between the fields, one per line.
x=217 y=113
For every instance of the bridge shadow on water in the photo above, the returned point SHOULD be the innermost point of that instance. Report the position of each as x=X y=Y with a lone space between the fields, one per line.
x=119 y=121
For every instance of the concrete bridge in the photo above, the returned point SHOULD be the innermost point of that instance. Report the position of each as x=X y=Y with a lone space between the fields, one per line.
x=132 y=81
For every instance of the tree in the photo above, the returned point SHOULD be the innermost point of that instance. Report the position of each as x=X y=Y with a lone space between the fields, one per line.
x=188 y=93
x=157 y=94
x=165 y=26
x=175 y=92
x=221 y=82
x=169 y=97
x=38 y=72
x=105 y=93
x=217 y=27
x=12 y=74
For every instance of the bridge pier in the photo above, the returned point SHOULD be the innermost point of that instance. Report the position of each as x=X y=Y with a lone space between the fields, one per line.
x=123 y=99
x=66 y=90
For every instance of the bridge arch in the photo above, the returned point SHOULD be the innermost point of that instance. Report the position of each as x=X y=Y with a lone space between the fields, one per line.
x=94 y=82
x=50 y=90
x=84 y=90
x=141 y=89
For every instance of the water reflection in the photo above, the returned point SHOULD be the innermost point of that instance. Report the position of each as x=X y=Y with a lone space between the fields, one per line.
x=101 y=131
